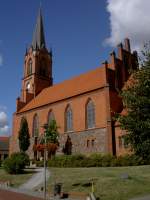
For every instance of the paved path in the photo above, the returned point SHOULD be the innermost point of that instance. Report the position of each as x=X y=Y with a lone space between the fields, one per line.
x=36 y=180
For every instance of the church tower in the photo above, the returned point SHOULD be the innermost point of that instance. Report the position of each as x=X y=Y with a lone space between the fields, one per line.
x=37 y=66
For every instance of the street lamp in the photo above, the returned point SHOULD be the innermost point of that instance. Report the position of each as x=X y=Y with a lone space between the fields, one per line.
x=45 y=126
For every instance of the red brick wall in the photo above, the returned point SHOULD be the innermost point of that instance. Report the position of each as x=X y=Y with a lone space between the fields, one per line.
x=78 y=107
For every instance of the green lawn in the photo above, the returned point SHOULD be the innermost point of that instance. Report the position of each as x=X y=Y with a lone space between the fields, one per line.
x=108 y=182
x=15 y=180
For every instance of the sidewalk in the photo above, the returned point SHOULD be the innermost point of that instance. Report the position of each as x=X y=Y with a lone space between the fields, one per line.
x=28 y=194
x=36 y=180
x=7 y=195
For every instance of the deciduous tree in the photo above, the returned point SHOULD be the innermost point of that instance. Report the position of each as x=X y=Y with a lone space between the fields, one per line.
x=136 y=100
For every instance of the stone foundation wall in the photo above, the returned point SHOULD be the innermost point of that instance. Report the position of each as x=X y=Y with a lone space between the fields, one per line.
x=85 y=142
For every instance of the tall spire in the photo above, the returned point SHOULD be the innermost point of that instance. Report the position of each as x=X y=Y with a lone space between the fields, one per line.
x=38 y=35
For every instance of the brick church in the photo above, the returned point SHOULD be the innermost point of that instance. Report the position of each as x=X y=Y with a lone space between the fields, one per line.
x=83 y=106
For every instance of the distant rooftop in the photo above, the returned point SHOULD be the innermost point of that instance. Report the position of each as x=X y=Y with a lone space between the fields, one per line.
x=4 y=143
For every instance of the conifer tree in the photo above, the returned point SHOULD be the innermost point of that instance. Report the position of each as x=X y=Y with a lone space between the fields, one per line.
x=24 y=137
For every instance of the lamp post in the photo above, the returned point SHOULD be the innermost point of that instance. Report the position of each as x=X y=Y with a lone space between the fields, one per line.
x=45 y=126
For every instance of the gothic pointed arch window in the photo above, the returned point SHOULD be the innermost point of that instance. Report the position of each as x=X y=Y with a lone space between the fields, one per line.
x=35 y=131
x=90 y=114
x=68 y=119
x=29 y=67
x=50 y=116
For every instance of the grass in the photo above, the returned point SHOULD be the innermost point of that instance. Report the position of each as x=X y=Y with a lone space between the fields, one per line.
x=108 y=184
x=15 y=180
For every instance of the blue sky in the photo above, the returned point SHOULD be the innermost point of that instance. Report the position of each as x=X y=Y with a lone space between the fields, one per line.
x=74 y=29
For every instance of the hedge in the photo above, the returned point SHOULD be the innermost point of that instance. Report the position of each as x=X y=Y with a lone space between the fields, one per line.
x=95 y=160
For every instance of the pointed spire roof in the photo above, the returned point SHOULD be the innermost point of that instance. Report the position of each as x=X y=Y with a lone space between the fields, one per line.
x=38 y=40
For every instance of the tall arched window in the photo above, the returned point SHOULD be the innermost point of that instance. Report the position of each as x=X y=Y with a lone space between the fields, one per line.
x=50 y=117
x=29 y=67
x=90 y=114
x=68 y=119
x=35 y=131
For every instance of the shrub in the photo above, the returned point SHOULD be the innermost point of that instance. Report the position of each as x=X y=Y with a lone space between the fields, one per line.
x=129 y=160
x=76 y=160
x=137 y=160
x=123 y=161
x=107 y=160
x=114 y=162
x=39 y=163
x=67 y=161
x=16 y=163
x=96 y=160
x=25 y=158
x=79 y=160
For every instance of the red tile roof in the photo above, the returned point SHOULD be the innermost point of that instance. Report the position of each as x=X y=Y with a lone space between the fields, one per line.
x=2 y=138
x=84 y=83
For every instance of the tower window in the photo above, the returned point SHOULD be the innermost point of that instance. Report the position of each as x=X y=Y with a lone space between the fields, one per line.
x=90 y=114
x=68 y=119
x=42 y=69
x=29 y=67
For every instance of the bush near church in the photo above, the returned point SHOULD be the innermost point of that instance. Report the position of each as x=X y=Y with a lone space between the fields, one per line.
x=96 y=160
x=16 y=163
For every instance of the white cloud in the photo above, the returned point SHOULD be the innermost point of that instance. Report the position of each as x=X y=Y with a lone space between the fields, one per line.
x=4 y=128
x=1 y=60
x=129 y=18
x=3 y=119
